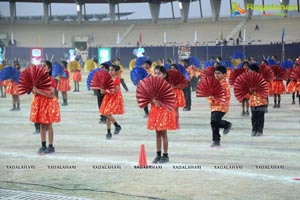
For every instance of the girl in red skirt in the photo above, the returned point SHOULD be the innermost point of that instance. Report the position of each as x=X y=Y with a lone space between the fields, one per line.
x=12 y=88
x=45 y=110
x=112 y=103
x=64 y=84
x=161 y=120
x=76 y=78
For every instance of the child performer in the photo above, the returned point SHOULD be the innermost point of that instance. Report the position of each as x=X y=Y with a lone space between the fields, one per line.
x=258 y=108
x=100 y=96
x=116 y=61
x=64 y=84
x=45 y=110
x=245 y=102
x=76 y=77
x=219 y=109
x=12 y=88
x=161 y=120
x=112 y=103
x=147 y=66
x=179 y=98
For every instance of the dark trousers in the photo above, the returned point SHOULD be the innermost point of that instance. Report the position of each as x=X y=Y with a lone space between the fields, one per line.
x=216 y=123
x=194 y=83
x=124 y=84
x=37 y=126
x=187 y=95
x=258 y=118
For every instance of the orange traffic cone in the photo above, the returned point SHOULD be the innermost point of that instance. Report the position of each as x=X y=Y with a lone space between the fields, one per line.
x=143 y=159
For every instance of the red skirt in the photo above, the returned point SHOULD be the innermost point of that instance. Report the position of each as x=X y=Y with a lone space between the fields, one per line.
x=12 y=88
x=64 y=85
x=76 y=76
x=291 y=87
x=297 y=86
x=179 y=98
x=278 y=87
x=44 y=110
x=112 y=104
x=1 y=83
x=161 y=119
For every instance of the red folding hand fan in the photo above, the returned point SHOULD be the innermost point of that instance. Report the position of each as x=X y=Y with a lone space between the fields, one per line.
x=210 y=86
x=234 y=74
x=176 y=79
x=34 y=76
x=280 y=73
x=250 y=82
x=266 y=72
x=156 y=88
x=102 y=80
x=208 y=72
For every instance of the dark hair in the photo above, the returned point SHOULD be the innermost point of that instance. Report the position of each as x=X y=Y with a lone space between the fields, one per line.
x=175 y=66
x=254 y=67
x=149 y=62
x=64 y=63
x=105 y=66
x=96 y=60
x=162 y=69
x=221 y=69
x=245 y=62
x=266 y=62
x=49 y=65
x=116 y=67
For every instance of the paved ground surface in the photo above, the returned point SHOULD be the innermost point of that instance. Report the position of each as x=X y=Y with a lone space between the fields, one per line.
x=86 y=165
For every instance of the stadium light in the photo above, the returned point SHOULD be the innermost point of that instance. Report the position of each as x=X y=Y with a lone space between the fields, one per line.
x=180 y=5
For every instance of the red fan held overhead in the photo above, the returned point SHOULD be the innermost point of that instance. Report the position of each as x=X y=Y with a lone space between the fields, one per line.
x=295 y=73
x=34 y=76
x=250 y=82
x=155 y=88
x=280 y=73
x=210 y=86
x=208 y=72
x=102 y=80
x=266 y=72
x=234 y=74
x=176 y=79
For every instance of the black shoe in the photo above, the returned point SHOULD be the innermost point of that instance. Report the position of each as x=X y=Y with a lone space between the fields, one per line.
x=226 y=130
x=117 y=129
x=259 y=134
x=156 y=159
x=253 y=133
x=164 y=159
x=108 y=136
x=42 y=149
x=275 y=106
x=215 y=144
x=186 y=109
x=243 y=113
x=50 y=150
x=278 y=106
x=37 y=131
x=64 y=104
x=247 y=113
x=102 y=121
x=293 y=102
x=13 y=109
x=74 y=90
x=146 y=116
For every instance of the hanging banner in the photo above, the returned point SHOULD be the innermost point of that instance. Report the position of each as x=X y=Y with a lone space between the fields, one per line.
x=36 y=56
x=184 y=52
x=104 y=55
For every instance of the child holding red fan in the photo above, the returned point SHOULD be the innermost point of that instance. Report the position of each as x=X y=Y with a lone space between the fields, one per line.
x=112 y=102
x=219 y=108
x=160 y=119
x=64 y=84
x=258 y=105
x=45 y=110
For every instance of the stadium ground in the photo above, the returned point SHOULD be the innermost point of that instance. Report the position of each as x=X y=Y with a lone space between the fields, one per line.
x=86 y=165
